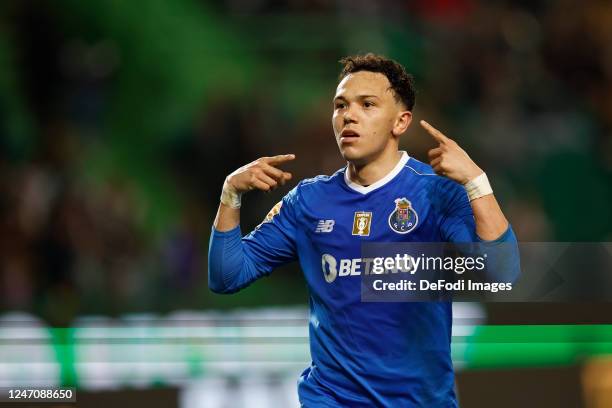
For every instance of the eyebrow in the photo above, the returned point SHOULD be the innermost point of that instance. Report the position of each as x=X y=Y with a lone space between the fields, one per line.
x=358 y=97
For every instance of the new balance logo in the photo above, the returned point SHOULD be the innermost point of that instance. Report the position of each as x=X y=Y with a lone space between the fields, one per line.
x=325 y=226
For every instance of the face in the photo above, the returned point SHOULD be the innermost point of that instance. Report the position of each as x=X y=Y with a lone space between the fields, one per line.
x=367 y=119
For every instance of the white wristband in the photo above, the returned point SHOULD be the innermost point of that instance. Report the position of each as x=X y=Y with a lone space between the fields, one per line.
x=229 y=196
x=478 y=187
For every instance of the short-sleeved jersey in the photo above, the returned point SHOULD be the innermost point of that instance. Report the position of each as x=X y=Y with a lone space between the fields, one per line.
x=367 y=354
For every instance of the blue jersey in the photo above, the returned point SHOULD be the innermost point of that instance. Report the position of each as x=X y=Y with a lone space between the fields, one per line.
x=363 y=354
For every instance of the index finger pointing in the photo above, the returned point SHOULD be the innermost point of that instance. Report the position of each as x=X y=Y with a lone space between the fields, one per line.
x=435 y=133
x=276 y=160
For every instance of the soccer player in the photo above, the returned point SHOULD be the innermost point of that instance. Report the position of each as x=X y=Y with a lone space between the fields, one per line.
x=363 y=354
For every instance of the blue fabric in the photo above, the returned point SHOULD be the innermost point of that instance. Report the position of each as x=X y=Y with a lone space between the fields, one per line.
x=363 y=354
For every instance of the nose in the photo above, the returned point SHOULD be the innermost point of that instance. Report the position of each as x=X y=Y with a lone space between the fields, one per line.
x=348 y=116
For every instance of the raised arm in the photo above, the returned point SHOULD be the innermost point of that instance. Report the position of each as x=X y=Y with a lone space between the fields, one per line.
x=451 y=161
x=233 y=261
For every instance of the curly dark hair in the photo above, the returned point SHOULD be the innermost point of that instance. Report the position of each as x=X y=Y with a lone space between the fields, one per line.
x=402 y=83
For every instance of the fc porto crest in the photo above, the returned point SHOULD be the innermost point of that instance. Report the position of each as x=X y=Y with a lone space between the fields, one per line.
x=403 y=219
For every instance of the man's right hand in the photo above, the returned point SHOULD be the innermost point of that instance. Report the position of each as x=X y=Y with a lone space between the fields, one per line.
x=261 y=174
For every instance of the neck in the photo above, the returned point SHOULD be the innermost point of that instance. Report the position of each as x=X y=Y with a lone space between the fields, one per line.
x=374 y=170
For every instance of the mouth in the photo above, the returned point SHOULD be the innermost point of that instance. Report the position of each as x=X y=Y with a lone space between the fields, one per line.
x=348 y=135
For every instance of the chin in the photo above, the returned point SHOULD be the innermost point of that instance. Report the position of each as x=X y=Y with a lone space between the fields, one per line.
x=352 y=155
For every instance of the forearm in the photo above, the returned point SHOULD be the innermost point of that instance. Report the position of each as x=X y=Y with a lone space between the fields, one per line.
x=227 y=218
x=498 y=241
x=490 y=220
x=226 y=265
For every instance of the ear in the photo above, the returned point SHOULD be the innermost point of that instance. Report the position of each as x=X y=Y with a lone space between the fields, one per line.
x=402 y=122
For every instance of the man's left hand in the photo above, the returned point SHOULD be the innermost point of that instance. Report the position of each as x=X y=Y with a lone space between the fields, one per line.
x=449 y=159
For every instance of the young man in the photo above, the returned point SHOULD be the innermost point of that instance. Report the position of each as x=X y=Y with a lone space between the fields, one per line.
x=363 y=354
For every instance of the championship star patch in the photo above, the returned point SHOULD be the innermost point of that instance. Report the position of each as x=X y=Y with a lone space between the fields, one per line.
x=404 y=218
x=362 y=221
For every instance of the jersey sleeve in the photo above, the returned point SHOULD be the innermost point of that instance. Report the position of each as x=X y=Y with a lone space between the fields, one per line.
x=272 y=243
x=458 y=225
x=234 y=262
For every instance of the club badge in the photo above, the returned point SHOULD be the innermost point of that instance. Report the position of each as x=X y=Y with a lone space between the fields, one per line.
x=403 y=219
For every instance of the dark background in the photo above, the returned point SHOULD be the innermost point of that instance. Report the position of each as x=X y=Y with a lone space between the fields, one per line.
x=120 y=120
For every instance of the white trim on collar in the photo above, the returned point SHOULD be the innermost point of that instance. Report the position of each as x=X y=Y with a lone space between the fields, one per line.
x=364 y=190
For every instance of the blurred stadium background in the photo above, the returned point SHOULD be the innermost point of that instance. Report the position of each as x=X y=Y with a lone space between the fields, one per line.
x=119 y=121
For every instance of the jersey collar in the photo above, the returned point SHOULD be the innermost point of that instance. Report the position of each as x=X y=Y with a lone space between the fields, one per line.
x=364 y=190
